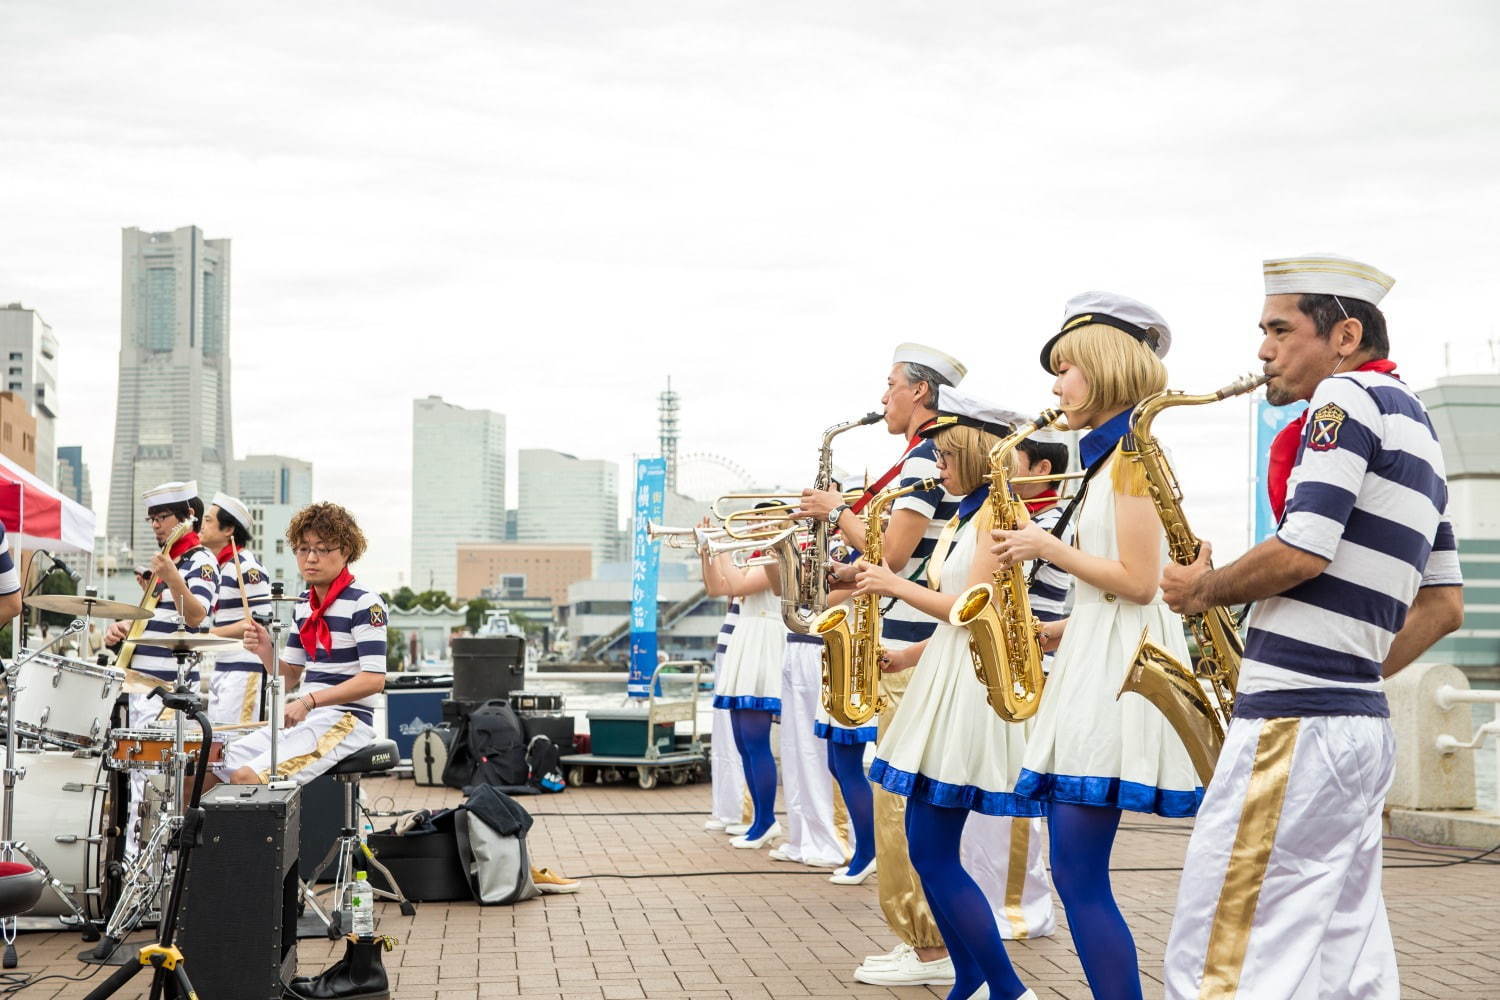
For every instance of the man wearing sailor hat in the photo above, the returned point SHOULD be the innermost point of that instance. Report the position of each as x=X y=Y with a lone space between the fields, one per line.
x=236 y=689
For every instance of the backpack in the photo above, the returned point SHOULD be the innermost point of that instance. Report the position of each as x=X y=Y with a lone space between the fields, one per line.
x=497 y=745
x=429 y=754
x=491 y=831
x=543 y=759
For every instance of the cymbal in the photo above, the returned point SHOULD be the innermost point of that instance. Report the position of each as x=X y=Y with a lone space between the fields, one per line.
x=83 y=607
x=186 y=642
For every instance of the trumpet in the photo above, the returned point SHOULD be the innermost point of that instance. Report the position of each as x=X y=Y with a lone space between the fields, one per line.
x=681 y=538
x=788 y=502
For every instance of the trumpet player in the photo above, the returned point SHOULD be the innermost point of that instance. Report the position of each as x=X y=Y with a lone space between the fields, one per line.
x=1090 y=755
x=726 y=775
x=749 y=685
x=946 y=751
x=1280 y=893
x=916 y=375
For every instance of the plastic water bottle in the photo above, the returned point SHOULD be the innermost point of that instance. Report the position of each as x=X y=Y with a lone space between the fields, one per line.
x=362 y=906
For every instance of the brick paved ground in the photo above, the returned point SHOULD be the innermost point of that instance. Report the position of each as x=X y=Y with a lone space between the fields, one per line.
x=712 y=923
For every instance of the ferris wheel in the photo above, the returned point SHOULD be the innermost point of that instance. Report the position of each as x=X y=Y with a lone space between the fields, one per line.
x=703 y=475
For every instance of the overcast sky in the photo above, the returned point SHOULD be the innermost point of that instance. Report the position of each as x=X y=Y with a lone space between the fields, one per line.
x=544 y=208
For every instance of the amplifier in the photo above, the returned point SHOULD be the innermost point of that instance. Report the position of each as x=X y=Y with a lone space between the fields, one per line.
x=536 y=702
x=487 y=667
x=558 y=728
x=322 y=820
x=238 y=927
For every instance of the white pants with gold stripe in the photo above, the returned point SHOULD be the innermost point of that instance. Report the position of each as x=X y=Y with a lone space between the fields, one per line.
x=1004 y=855
x=1280 y=896
x=234 y=696
x=306 y=750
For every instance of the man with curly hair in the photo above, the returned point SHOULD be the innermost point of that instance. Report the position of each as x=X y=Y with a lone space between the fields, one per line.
x=336 y=651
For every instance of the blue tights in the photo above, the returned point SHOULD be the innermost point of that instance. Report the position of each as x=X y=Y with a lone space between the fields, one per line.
x=962 y=912
x=752 y=737
x=847 y=762
x=1081 y=840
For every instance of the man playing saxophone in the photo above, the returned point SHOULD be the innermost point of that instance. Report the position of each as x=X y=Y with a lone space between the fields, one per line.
x=1280 y=893
x=910 y=400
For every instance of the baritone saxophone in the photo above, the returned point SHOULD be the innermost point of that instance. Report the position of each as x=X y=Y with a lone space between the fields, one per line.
x=1177 y=689
x=1004 y=637
x=851 y=635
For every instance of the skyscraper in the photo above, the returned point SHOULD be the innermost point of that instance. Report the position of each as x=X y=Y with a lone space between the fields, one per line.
x=568 y=499
x=274 y=479
x=30 y=353
x=172 y=417
x=73 y=475
x=457 y=487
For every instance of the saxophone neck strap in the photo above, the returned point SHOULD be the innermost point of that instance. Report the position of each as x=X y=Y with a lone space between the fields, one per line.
x=1067 y=515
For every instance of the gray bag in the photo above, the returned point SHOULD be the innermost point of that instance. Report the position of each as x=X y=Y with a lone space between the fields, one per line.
x=491 y=831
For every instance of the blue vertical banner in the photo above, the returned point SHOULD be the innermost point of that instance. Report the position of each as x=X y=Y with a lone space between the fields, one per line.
x=1269 y=420
x=645 y=562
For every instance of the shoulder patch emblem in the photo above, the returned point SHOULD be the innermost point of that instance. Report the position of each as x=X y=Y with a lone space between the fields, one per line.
x=1324 y=429
x=254 y=576
x=377 y=616
x=207 y=572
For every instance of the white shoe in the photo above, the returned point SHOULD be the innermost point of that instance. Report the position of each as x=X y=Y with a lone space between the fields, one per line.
x=842 y=876
x=822 y=863
x=908 y=970
x=736 y=829
x=715 y=825
x=889 y=958
x=780 y=854
x=750 y=845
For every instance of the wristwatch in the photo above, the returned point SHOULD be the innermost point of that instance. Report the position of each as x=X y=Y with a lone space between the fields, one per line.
x=835 y=514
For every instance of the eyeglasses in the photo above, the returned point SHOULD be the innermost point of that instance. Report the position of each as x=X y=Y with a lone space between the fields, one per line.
x=158 y=518
x=308 y=551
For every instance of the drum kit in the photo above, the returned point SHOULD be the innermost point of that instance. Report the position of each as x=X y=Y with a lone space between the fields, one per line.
x=71 y=777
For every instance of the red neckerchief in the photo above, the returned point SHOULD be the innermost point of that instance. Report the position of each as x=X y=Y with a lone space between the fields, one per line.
x=1041 y=501
x=314 y=630
x=187 y=541
x=859 y=505
x=1288 y=442
x=225 y=554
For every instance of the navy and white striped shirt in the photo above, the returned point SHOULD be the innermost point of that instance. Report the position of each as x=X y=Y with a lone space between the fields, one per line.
x=1051 y=589
x=1368 y=494
x=229 y=609
x=357 y=625
x=901 y=624
x=726 y=632
x=200 y=572
x=10 y=580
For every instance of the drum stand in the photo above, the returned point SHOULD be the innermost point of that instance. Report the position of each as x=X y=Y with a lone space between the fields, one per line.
x=148 y=872
x=169 y=978
x=11 y=774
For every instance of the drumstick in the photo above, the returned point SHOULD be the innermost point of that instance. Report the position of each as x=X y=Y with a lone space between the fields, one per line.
x=240 y=576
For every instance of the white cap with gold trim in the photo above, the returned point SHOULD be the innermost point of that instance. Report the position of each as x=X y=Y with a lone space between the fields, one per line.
x=166 y=493
x=1326 y=274
x=945 y=365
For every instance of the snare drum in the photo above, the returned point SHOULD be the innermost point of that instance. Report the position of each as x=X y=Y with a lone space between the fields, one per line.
x=65 y=701
x=150 y=749
x=62 y=813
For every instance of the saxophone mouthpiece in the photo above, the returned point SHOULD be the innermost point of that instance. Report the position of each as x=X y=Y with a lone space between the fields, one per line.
x=1243 y=384
x=871 y=417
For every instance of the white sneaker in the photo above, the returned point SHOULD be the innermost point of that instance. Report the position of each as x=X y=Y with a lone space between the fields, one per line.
x=908 y=970
x=780 y=854
x=715 y=825
x=889 y=958
x=823 y=863
x=736 y=829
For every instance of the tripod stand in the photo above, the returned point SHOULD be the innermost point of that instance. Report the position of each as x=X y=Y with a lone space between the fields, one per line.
x=169 y=978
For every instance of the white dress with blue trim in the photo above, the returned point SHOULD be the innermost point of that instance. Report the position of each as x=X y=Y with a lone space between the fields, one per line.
x=947 y=746
x=1085 y=746
x=751 y=675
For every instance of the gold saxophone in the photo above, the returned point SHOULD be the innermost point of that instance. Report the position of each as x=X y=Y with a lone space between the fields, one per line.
x=1004 y=638
x=148 y=600
x=851 y=643
x=1155 y=674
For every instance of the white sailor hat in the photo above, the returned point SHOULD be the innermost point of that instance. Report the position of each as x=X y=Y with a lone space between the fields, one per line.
x=234 y=507
x=1135 y=318
x=1326 y=274
x=957 y=408
x=168 y=493
x=945 y=365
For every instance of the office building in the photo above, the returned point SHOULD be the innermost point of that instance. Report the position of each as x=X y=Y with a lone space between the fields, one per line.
x=172 y=414
x=274 y=479
x=30 y=353
x=73 y=475
x=457 y=487
x=565 y=499
x=514 y=570
x=17 y=431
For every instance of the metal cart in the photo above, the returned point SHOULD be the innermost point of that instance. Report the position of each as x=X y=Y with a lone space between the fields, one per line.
x=679 y=766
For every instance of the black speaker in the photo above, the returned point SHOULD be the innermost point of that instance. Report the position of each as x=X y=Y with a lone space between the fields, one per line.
x=239 y=903
x=322 y=819
x=558 y=728
x=488 y=666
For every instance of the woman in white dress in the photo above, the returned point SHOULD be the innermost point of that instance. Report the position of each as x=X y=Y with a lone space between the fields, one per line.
x=749 y=683
x=946 y=750
x=1093 y=752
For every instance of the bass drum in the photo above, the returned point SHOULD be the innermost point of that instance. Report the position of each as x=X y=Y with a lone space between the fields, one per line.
x=64 y=812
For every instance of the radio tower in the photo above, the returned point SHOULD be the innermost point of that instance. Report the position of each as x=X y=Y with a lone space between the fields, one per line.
x=666 y=412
